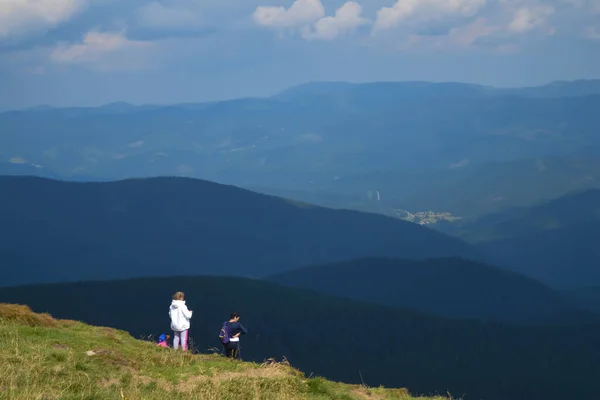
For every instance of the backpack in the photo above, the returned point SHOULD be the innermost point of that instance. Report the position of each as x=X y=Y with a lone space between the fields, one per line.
x=224 y=334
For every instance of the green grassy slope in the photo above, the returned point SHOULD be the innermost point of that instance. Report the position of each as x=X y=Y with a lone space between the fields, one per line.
x=45 y=358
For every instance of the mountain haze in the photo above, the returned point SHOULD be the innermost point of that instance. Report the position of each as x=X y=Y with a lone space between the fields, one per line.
x=555 y=242
x=314 y=133
x=466 y=190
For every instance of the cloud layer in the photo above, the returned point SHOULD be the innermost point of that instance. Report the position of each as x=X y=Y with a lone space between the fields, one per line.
x=103 y=51
x=157 y=15
x=300 y=13
x=402 y=10
x=409 y=22
x=346 y=19
x=23 y=17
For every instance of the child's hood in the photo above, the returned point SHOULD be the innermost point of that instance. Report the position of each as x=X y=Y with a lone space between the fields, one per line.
x=177 y=303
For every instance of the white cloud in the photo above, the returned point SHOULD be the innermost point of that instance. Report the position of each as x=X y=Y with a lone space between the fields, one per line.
x=156 y=15
x=460 y=38
x=390 y=17
x=346 y=19
x=592 y=5
x=300 y=13
x=528 y=18
x=592 y=32
x=103 y=51
x=467 y=35
x=21 y=17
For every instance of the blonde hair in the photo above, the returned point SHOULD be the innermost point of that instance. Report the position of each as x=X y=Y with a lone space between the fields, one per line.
x=178 y=296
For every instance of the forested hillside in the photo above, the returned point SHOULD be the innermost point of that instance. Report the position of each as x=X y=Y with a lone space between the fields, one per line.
x=451 y=287
x=68 y=231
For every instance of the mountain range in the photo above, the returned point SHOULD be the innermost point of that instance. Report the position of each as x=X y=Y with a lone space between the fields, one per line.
x=424 y=139
x=309 y=133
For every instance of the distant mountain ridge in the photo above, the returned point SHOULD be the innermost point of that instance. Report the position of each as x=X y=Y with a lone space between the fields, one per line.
x=318 y=133
x=561 y=88
x=450 y=287
x=70 y=231
x=575 y=88
x=579 y=87
x=555 y=242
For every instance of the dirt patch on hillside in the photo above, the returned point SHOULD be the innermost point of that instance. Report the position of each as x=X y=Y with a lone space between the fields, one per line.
x=361 y=392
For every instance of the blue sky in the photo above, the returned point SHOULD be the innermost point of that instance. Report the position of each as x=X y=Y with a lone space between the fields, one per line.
x=90 y=52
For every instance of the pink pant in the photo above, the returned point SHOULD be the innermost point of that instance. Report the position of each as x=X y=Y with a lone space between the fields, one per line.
x=180 y=337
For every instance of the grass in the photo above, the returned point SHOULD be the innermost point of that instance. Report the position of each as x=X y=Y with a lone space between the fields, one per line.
x=45 y=358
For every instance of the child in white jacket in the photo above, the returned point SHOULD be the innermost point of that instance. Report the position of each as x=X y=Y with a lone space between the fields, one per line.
x=180 y=321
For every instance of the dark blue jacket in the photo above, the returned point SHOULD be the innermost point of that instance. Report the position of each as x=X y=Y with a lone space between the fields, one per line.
x=235 y=328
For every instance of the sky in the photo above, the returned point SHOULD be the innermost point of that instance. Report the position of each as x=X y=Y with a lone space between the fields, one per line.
x=93 y=52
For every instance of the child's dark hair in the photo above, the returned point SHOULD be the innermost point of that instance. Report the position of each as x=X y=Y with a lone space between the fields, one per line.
x=234 y=315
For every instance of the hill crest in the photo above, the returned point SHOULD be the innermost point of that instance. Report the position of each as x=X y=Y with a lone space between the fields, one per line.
x=449 y=287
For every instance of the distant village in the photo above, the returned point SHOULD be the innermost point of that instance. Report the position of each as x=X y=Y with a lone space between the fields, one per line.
x=424 y=217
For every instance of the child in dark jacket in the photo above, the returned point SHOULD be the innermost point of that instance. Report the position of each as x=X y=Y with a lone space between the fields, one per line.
x=232 y=348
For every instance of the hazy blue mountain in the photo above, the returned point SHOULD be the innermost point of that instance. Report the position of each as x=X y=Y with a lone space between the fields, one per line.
x=465 y=190
x=319 y=132
x=14 y=168
x=580 y=87
x=450 y=287
x=339 y=338
x=66 y=231
x=555 y=242
x=576 y=88
x=361 y=92
x=587 y=297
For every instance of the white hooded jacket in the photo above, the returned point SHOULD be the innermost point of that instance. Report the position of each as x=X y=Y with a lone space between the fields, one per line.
x=180 y=316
